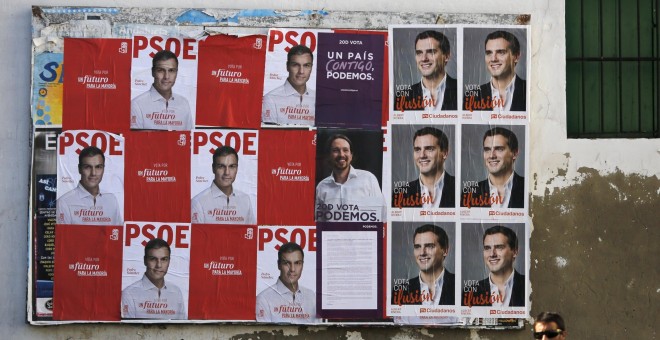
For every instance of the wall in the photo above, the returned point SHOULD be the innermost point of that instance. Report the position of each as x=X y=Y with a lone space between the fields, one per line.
x=594 y=203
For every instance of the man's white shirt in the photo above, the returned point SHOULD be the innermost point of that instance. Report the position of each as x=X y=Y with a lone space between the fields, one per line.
x=150 y=110
x=212 y=206
x=78 y=206
x=495 y=194
x=143 y=300
x=358 y=199
x=437 y=194
x=278 y=304
x=284 y=105
x=425 y=291
x=439 y=95
x=495 y=292
x=509 y=95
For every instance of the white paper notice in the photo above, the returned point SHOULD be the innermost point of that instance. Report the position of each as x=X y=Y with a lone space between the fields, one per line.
x=349 y=270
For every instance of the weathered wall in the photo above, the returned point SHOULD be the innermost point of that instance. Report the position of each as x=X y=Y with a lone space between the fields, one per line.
x=595 y=203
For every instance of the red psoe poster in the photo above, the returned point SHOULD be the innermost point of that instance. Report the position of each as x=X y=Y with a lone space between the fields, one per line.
x=158 y=176
x=222 y=272
x=97 y=92
x=230 y=80
x=286 y=165
x=88 y=270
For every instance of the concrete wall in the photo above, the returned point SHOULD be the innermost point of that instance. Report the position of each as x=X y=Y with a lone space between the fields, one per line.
x=595 y=203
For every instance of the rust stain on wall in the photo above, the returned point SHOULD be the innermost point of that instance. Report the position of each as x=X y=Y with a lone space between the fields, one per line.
x=595 y=255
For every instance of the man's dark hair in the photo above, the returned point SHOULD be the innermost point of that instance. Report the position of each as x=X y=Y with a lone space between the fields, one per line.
x=443 y=239
x=289 y=247
x=156 y=243
x=443 y=141
x=90 y=151
x=514 y=45
x=338 y=136
x=163 y=55
x=439 y=37
x=511 y=139
x=512 y=239
x=298 y=50
x=547 y=317
x=224 y=150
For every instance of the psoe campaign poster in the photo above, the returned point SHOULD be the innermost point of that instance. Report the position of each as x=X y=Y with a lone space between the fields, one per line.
x=224 y=176
x=163 y=83
x=286 y=184
x=157 y=176
x=88 y=270
x=97 y=92
x=155 y=271
x=290 y=81
x=230 y=80
x=286 y=275
x=222 y=272
x=90 y=178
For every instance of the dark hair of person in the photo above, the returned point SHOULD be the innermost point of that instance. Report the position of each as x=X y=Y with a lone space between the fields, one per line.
x=338 y=136
x=443 y=141
x=298 y=50
x=439 y=37
x=289 y=247
x=163 y=55
x=511 y=139
x=443 y=239
x=224 y=150
x=514 y=45
x=547 y=317
x=512 y=239
x=90 y=151
x=156 y=243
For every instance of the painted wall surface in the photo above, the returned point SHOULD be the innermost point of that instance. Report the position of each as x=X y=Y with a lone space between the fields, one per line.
x=594 y=205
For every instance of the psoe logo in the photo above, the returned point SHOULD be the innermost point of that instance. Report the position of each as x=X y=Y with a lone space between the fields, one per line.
x=182 y=140
x=115 y=235
x=258 y=43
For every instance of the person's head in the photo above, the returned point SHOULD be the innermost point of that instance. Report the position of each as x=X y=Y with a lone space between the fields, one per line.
x=156 y=260
x=502 y=52
x=290 y=260
x=340 y=152
x=430 y=247
x=91 y=165
x=549 y=325
x=500 y=249
x=430 y=150
x=164 y=68
x=225 y=167
x=432 y=52
x=299 y=62
x=500 y=151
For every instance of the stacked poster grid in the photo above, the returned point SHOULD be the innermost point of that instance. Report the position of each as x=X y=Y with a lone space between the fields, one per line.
x=253 y=150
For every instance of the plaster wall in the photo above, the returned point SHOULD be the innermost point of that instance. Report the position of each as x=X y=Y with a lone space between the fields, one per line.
x=595 y=203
